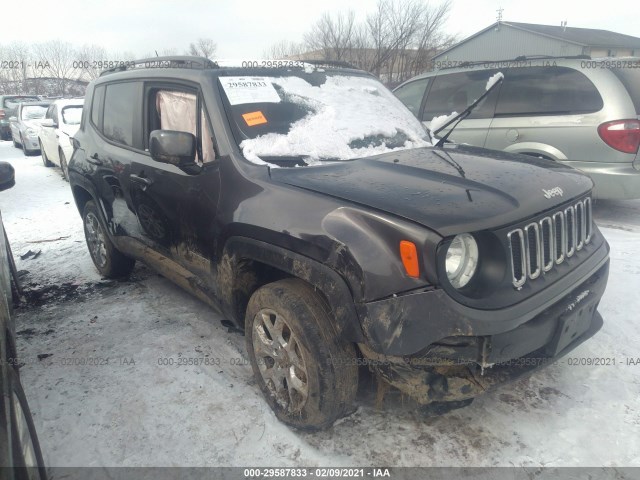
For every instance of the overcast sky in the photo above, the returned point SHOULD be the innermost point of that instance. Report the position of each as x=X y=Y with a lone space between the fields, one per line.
x=245 y=28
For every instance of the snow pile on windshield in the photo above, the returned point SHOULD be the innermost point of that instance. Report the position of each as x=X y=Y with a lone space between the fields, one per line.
x=437 y=122
x=33 y=112
x=350 y=117
x=493 y=80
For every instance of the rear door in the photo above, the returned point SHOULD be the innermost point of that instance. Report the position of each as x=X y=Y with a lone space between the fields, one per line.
x=454 y=92
x=117 y=142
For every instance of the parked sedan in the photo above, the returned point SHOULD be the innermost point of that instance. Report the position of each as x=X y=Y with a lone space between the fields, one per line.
x=60 y=123
x=8 y=106
x=19 y=446
x=25 y=125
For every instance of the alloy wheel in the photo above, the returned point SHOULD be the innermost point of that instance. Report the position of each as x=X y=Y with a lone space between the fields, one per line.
x=280 y=360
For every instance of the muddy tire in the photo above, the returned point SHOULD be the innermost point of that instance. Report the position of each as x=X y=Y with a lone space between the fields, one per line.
x=27 y=456
x=308 y=375
x=63 y=165
x=45 y=160
x=110 y=262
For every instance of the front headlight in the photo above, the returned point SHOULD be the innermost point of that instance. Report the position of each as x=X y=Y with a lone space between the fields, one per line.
x=462 y=260
x=31 y=132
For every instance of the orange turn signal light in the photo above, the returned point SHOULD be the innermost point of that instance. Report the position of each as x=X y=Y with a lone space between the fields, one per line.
x=409 y=255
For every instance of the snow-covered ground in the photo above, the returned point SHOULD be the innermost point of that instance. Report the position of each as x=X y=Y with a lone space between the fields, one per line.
x=137 y=411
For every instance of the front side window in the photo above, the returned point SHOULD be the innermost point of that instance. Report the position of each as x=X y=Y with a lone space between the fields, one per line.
x=547 y=91
x=180 y=111
x=119 y=112
x=411 y=94
x=318 y=116
x=456 y=91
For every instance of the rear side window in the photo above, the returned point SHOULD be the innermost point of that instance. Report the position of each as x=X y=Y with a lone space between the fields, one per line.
x=547 y=91
x=96 y=107
x=631 y=81
x=411 y=94
x=120 y=112
x=456 y=91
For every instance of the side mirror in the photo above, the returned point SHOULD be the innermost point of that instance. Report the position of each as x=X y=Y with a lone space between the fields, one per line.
x=13 y=119
x=7 y=176
x=48 y=122
x=170 y=146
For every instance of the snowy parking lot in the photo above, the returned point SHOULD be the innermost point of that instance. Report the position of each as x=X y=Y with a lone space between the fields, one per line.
x=107 y=374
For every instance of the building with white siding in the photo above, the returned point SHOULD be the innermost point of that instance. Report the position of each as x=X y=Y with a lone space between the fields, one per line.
x=509 y=40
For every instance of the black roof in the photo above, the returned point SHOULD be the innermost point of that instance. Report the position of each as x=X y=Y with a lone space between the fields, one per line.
x=583 y=36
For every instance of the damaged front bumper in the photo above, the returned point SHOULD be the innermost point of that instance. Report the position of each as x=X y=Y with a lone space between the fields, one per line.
x=470 y=360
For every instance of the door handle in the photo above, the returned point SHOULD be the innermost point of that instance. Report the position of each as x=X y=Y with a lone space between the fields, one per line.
x=94 y=159
x=145 y=182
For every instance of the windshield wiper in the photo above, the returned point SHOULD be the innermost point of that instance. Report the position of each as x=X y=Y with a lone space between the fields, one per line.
x=464 y=114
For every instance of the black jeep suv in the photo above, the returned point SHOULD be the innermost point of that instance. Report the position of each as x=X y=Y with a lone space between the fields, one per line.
x=308 y=205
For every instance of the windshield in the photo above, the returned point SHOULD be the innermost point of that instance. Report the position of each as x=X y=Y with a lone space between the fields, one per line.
x=72 y=115
x=33 y=112
x=12 y=102
x=319 y=116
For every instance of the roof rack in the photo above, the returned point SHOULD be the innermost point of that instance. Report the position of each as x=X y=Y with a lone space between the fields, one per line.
x=184 y=61
x=521 y=58
x=328 y=63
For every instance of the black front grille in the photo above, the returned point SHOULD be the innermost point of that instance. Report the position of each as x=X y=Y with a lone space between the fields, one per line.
x=541 y=244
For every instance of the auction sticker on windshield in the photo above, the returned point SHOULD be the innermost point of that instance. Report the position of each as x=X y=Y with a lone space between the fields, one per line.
x=241 y=90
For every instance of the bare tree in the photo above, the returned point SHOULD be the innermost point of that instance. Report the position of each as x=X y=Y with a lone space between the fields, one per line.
x=203 y=47
x=91 y=61
x=333 y=35
x=284 y=49
x=14 y=78
x=397 y=40
x=56 y=60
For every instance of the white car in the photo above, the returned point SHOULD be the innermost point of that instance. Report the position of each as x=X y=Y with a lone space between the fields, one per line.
x=61 y=122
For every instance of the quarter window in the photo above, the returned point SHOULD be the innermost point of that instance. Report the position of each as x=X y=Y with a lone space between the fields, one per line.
x=96 y=107
x=411 y=94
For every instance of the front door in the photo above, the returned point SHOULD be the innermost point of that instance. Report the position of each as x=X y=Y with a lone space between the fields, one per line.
x=176 y=209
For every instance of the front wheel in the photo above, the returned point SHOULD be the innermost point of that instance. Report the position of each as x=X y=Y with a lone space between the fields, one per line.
x=45 y=159
x=110 y=262
x=308 y=375
x=27 y=457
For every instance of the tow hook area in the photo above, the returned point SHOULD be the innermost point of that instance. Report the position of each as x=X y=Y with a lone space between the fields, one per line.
x=424 y=380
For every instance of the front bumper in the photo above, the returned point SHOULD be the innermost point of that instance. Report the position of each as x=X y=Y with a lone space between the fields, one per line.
x=449 y=357
x=613 y=181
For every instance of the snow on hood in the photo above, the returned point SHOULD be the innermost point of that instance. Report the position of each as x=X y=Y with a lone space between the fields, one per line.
x=345 y=109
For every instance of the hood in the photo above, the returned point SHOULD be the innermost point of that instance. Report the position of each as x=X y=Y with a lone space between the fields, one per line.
x=33 y=123
x=450 y=190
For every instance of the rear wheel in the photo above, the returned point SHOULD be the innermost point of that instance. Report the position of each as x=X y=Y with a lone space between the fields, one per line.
x=110 y=262
x=45 y=159
x=63 y=165
x=308 y=375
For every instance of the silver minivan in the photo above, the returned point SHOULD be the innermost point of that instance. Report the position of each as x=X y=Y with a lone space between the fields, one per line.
x=581 y=112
